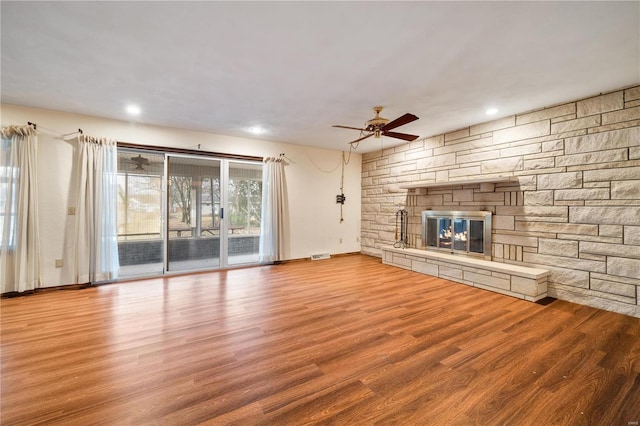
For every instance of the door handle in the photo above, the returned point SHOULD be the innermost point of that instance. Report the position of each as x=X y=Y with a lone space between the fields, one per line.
x=221 y=212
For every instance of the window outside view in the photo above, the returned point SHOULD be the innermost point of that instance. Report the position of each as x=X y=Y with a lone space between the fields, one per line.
x=194 y=236
x=140 y=212
x=9 y=180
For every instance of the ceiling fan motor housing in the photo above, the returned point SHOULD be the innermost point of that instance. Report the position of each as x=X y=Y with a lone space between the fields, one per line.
x=377 y=122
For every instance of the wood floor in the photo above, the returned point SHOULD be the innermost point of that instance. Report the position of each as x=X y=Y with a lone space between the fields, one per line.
x=340 y=341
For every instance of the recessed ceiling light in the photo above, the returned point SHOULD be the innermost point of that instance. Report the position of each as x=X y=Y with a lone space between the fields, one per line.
x=492 y=111
x=256 y=130
x=133 y=110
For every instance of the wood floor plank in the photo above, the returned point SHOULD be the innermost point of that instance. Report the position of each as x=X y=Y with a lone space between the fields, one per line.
x=341 y=341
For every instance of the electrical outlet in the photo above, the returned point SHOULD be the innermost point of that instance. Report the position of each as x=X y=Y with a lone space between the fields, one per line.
x=340 y=240
x=71 y=211
x=357 y=239
x=58 y=263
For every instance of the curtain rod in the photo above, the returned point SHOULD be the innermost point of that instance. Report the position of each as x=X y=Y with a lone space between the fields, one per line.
x=187 y=151
x=35 y=127
x=283 y=156
x=73 y=133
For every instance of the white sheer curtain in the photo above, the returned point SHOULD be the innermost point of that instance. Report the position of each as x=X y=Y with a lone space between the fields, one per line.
x=19 y=244
x=272 y=226
x=96 y=248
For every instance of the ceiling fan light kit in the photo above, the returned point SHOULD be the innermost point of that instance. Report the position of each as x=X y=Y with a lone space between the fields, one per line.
x=380 y=126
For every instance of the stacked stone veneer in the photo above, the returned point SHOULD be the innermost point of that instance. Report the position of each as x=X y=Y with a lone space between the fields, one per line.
x=574 y=210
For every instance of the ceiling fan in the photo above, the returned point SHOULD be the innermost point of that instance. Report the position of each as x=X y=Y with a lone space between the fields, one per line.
x=140 y=162
x=379 y=126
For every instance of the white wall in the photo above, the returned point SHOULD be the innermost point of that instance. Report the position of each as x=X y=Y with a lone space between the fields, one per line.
x=313 y=181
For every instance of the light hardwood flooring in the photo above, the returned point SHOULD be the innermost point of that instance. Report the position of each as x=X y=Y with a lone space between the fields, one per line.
x=341 y=341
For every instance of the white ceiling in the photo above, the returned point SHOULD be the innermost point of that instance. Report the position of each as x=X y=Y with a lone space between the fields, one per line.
x=296 y=68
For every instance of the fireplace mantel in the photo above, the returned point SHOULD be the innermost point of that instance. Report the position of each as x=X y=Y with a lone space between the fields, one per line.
x=497 y=179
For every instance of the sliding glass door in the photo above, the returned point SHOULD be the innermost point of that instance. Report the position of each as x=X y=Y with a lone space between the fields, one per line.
x=243 y=209
x=186 y=213
x=194 y=213
x=140 y=212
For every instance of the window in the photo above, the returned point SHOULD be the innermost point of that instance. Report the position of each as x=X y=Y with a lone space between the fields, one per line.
x=139 y=206
x=9 y=181
x=244 y=207
x=245 y=198
x=178 y=211
x=140 y=212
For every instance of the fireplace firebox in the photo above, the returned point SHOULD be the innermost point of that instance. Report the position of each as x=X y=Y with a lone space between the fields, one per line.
x=458 y=232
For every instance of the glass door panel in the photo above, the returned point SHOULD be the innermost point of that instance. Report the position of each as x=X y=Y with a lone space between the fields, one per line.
x=460 y=234
x=476 y=239
x=140 y=212
x=432 y=232
x=244 y=206
x=445 y=233
x=193 y=212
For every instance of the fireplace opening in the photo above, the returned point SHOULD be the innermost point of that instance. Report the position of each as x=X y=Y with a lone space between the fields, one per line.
x=461 y=232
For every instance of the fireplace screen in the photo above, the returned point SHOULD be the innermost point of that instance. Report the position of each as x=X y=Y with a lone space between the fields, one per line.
x=458 y=231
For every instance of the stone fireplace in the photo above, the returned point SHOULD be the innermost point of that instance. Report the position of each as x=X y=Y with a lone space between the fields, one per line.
x=459 y=244
x=458 y=232
x=571 y=208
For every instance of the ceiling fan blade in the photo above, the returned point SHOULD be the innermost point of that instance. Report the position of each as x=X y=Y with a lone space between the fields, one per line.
x=347 y=127
x=400 y=121
x=139 y=159
x=364 y=137
x=404 y=136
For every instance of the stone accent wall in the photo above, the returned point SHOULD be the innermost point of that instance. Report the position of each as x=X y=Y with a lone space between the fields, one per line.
x=574 y=211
